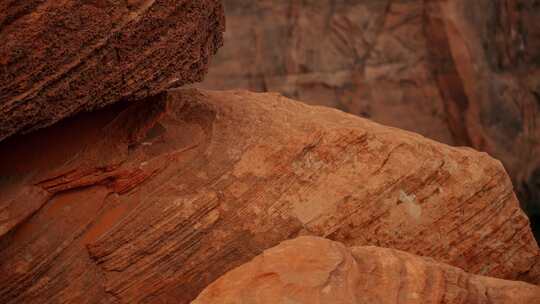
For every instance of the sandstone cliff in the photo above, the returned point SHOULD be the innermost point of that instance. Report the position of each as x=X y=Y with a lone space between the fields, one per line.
x=152 y=201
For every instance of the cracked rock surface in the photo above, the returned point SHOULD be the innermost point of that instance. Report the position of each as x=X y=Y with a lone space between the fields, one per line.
x=150 y=202
x=317 y=270
x=58 y=58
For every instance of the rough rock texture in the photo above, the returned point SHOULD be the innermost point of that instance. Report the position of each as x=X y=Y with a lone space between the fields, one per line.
x=459 y=71
x=150 y=202
x=58 y=58
x=317 y=270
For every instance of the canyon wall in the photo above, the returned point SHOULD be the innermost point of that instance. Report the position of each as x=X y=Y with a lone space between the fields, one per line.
x=115 y=188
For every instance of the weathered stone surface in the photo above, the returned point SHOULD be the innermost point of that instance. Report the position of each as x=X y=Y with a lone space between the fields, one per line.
x=58 y=58
x=152 y=201
x=317 y=270
x=459 y=71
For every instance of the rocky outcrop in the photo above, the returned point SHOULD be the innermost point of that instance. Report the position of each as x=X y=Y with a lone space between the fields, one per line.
x=58 y=58
x=317 y=270
x=154 y=200
x=458 y=71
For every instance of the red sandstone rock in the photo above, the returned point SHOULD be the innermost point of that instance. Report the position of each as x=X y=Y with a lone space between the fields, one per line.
x=58 y=58
x=459 y=71
x=152 y=201
x=317 y=270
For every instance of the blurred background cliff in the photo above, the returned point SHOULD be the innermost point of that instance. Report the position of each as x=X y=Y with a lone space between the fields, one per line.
x=466 y=73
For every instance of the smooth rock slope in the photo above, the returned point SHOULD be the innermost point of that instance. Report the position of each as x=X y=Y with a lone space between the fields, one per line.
x=58 y=58
x=317 y=270
x=151 y=201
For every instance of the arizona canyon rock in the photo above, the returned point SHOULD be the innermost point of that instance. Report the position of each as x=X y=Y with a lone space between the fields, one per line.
x=317 y=270
x=58 y=58
x=459 y=71
x=152 y=201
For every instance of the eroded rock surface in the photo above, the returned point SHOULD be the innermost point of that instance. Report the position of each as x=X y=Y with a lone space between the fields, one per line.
x=317 y=270
x=459 y=71
x=152 y=201
x=58 y=58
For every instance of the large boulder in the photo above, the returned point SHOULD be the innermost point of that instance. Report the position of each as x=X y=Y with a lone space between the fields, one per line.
x=459 y=71
x=152 y=201
x=58 y=58
x=316 y=270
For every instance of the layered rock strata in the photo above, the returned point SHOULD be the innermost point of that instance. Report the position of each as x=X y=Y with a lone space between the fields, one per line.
x=58 y=58
x=152 y=201
x=458 y=71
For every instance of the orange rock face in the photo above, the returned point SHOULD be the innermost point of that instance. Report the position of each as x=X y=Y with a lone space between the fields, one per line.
x=317 y=270
x=58 y=58
x=154 y=200
x=459 y=71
